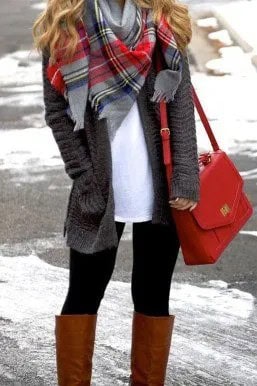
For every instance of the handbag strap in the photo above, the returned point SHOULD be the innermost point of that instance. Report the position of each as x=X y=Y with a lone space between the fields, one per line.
x=204 y=120
x=165 y=130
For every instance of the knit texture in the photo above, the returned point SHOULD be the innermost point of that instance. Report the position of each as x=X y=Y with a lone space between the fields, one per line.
x=89 y=220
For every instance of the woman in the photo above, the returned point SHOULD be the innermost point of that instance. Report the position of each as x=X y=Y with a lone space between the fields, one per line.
x=101 y=94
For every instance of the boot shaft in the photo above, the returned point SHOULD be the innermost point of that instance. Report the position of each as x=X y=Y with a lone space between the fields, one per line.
x=150 y=347
x=75 y=338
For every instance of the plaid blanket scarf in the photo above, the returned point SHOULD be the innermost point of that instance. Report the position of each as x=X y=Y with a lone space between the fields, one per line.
x=108 y=71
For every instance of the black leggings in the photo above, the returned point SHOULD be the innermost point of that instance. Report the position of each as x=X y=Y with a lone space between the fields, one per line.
x=155 y=251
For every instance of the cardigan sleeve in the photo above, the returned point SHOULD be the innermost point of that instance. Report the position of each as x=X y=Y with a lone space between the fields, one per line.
x=186 y=176
x=72 y=145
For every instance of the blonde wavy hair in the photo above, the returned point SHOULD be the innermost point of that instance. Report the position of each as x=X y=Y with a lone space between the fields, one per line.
x=47 y=30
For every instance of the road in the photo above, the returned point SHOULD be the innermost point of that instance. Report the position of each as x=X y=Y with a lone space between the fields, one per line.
x=215 y=337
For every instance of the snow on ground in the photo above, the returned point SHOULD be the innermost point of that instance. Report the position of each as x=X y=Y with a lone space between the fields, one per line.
x=28 y=149
x=39 y=5
x=28 y=154
x=20 y=68
x=251 y=233
x=215 y=325
x=33 y=246
x=245 y=31
x=249 y=174
x=229 y=103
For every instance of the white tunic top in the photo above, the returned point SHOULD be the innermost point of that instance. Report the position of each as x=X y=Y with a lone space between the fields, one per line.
x=131 y=171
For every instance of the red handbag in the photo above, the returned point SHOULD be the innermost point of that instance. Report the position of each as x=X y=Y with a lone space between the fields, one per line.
x=223 y=208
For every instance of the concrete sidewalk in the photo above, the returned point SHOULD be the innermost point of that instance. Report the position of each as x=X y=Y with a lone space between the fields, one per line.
x=239 y=18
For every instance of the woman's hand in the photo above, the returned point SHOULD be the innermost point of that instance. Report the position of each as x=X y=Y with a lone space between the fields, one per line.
x=183 y=203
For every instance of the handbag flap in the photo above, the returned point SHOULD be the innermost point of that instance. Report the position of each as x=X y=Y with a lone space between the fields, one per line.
x=220 y=191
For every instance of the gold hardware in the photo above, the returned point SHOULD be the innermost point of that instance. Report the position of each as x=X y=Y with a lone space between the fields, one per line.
x=165 y=129
x=225 y=209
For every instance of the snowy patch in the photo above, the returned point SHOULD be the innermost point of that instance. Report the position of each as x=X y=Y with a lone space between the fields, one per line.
x=40 y=6
x=229 y=14
x=34 y=120
x=232 y=121
x=221 y=36
x=58 y=187
x=226 y=63
x=31 y=88
x=21 y=80
x=28 y=150
x=20 y=68
x=249 y=174
x=214 y=339
x=33 y=246
x=22 y=100
x=208 y=23
x=250 y=233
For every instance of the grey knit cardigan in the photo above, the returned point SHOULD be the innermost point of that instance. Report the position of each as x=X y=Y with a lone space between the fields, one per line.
x=89 y=221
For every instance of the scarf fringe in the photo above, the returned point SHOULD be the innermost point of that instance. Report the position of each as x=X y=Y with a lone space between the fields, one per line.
x=163 y=96
x=166 y=85
x=78 y=126
x=78 y=121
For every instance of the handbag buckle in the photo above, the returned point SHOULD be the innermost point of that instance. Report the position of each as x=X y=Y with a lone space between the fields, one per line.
x=165 y=129
x=205 y=158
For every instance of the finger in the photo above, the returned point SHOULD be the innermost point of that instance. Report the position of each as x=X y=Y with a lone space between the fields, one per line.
x=176 y=205
x=193 y=207
x=174 y=200
x=185 y=207
x=180 y=207
x=180 y=201
x=190 y=206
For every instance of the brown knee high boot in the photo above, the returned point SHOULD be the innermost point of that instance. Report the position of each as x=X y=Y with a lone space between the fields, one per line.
x=151 y=339
x=75 y=337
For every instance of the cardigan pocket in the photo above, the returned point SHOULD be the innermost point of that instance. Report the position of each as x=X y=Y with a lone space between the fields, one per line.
x=91 y=200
